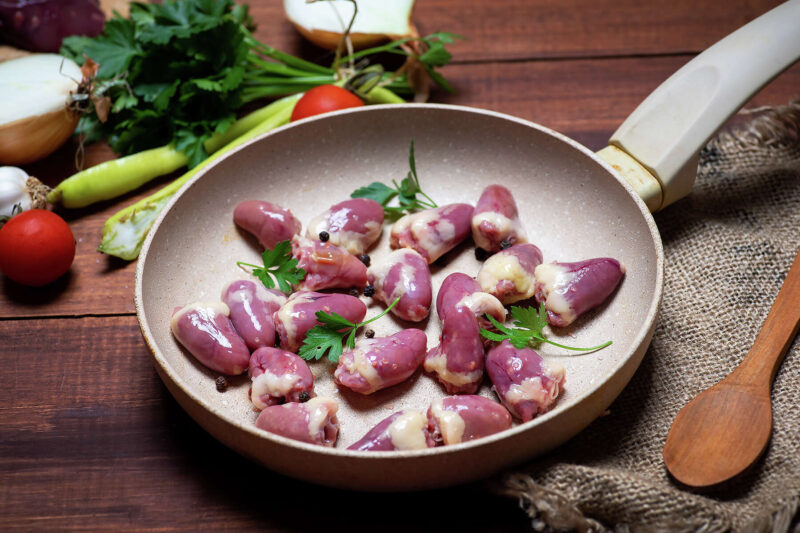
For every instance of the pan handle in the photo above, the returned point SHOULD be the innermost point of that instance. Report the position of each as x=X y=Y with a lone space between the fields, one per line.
x=657 y=146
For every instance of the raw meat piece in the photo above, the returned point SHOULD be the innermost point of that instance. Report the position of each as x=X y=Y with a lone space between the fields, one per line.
x=460 y=290
x=269 y=223
x=458 y=360
x=313 y=422
x=509 y=274
x=354 y=224
x=495 y=222
x=403 y=430
x=570 y=289
x=327 y=266
x=298 y=314
x=251 y=308
x=206 y=331
x=464 y=418
x=378 y=363
x=403 y=273
x=278 y=377
x=433 y=232
x=526 y=384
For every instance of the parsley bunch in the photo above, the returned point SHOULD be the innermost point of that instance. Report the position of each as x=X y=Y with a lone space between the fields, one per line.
x=178 y=71
x=329 y=335
x=278 y=264
x=406 y=192
x=530 y=324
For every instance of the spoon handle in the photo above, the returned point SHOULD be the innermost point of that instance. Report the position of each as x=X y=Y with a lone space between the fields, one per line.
x=777 y=333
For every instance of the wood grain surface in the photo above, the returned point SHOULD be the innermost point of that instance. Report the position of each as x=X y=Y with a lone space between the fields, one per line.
x=89 y=437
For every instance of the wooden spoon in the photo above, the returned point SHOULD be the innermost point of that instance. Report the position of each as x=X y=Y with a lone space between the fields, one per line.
x=725 y=429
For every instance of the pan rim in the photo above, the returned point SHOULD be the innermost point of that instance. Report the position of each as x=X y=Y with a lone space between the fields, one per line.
x=165 y=370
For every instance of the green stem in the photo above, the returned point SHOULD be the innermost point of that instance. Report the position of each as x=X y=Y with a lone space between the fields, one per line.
x=376 y=317
x=592 y=349
x=285 y=58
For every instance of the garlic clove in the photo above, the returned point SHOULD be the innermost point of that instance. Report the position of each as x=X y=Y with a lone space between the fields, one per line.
x=13 y=191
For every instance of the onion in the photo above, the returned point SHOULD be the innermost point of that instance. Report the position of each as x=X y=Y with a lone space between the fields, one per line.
x=35 y=119
x=323 y=23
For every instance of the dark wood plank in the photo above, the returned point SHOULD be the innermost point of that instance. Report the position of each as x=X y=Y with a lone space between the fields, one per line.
x=91 y=440
x=517 y=29
x=584 y=99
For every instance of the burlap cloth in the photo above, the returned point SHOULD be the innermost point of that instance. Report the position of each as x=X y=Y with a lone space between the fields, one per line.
x=728 y=247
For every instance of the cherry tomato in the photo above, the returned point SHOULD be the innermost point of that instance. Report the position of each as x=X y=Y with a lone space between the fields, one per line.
x=36 y=247
x=322 y=99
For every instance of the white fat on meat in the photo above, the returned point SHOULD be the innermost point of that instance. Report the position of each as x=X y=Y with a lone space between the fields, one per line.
x=407 y=431
x=554 y=283
x=532 y=389
x=207 y=311
x=451 y=425
x=501 y=267
x=270 y=384
x=320 y=409
x=482 y=303
x=438 y=364
x=430 y=230
x=362 y=366
x=287 y=315
x=503 y=225
x=352 y=241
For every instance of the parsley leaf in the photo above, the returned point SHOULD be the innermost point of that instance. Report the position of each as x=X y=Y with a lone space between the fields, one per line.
x=280 y=265
x=329 y=335
x=529 y=330
x=406 y=192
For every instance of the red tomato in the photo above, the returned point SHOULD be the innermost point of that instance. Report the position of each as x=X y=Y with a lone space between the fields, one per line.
x=322 y=99
x=36 y=247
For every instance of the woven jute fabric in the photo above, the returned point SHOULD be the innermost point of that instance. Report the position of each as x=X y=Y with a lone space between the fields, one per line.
x=727 y=246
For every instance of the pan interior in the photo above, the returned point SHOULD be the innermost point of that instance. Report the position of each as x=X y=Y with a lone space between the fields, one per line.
x=571 y=207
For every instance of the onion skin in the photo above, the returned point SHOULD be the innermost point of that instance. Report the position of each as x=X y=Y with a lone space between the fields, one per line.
x=29 y=139
x=330 y=40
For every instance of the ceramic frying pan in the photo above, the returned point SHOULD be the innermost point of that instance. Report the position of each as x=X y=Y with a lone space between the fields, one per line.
x=574 y=204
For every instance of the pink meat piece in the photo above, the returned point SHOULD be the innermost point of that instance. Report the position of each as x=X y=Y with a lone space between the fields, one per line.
x=206 y=331
x=269 y=223
x=251 y=308
x=526 y=384
x=313 y=422
x=570 y=289
x=433 y=232
x=354 y=224
x=298 y=314
x=403 y=430
x=327 y=266
x=278 y=377
x=496 y=220
x=405 y=274
x=378 y=363
x=460 y=290
x=455 y=419
x=509 y=274
x=458 y=360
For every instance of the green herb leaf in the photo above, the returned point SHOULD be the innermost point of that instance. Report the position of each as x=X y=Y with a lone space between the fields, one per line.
x=332 y=331
x=279 y=267
x=529 y=330
x=406 y=191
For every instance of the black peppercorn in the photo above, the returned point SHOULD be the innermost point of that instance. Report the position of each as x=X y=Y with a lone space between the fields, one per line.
x=222 y=384
x=481 y=254
x=369 y=290
x=303 y=396
x=364 y=258
x=505 y=244
x=324 y=236
x=369 y=333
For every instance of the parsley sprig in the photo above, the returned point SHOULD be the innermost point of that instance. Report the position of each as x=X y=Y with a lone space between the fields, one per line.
x=406 y=192
x=278 y=264
x=529 y=330
x=328 y=336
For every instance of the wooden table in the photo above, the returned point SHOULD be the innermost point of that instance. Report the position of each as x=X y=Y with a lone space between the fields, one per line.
x=89 y=437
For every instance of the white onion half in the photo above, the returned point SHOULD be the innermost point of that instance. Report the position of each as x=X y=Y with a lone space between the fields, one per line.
x=35 y=91
x=324 y=22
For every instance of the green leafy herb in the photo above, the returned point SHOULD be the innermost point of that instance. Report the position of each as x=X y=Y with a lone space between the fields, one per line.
x=329 y=335
x=278 y=264
x=406 y=192
x=529 y=330
x=178 y=71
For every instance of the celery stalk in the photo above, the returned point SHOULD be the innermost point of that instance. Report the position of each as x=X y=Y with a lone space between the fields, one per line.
x=125 y=231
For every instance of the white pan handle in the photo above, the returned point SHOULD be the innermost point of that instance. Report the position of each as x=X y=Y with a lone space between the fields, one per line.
x=656 y=148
